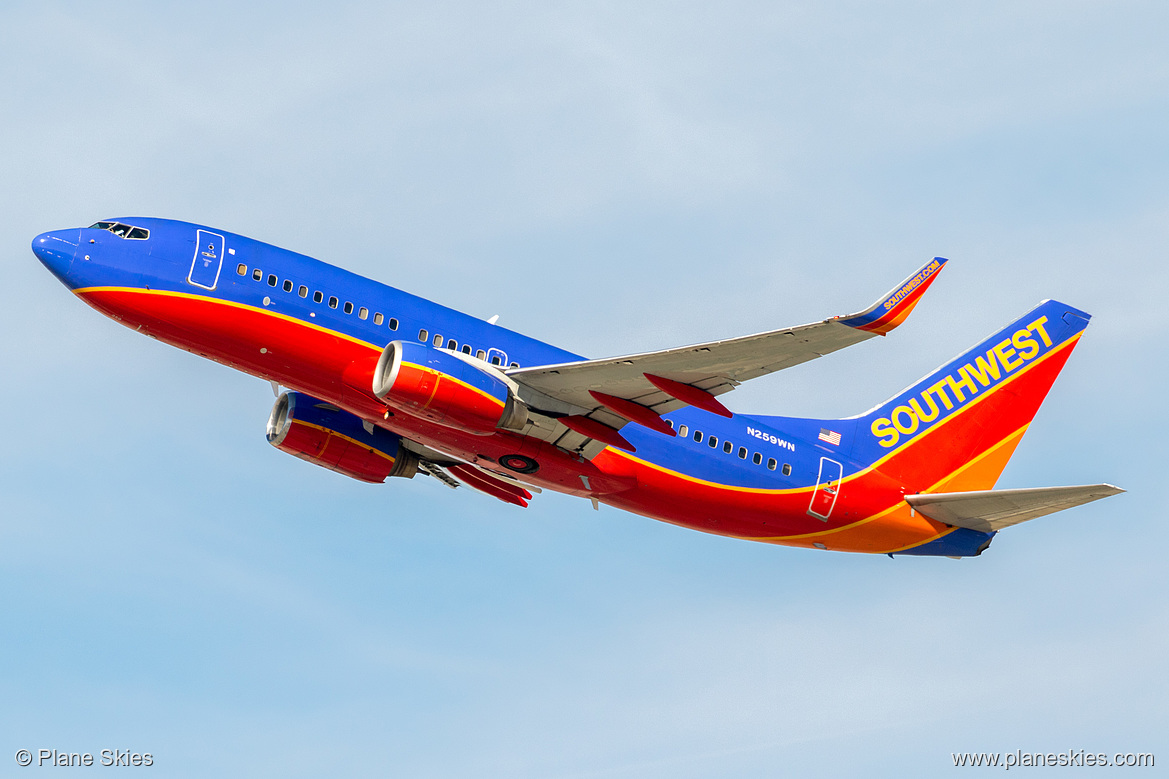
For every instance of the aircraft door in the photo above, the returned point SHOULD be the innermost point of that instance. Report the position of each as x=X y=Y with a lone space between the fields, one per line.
x=827 y=489
x=208 y=260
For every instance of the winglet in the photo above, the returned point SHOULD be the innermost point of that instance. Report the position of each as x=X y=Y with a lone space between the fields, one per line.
x=892 y=309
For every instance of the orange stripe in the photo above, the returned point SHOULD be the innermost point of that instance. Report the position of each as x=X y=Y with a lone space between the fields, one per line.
x=228 y=303
x=334 y=433
x=433 y=392
x=284 y=317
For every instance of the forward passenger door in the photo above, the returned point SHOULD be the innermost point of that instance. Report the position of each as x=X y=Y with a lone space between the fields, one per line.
x=208 y=260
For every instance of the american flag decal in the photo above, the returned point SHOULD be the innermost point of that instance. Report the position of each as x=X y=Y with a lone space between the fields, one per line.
x=830 y=436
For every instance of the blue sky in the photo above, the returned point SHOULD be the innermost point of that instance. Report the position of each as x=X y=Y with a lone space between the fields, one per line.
x=610 y=179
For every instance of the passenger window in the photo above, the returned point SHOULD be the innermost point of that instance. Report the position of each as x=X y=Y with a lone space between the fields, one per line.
x=482 y=355
x=378 y=319
x=452 y=344
x=241 y=269
x=683 y=431
x=466 y=349
x=757 y=459
x=742 y=453
x=515 y=365
x=303 y=291
x=394 y=325
x=771 y=463
x=257 y=274
x=423 y=335
x=318 y=296
x=348 y=307
x=712 y=442
x=288 y=285
x=787 y=469
x=495 y=359
x=437 y=340
x=698 y=436
x=272 y=279
x=670 y=422
x=363 y=313
x=728 y=446
x=333 y=301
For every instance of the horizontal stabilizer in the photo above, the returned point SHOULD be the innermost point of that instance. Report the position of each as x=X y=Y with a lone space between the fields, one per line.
x=988 y=511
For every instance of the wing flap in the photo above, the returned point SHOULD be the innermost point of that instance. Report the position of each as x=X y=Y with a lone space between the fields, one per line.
x=991 y=510
x=491 y=484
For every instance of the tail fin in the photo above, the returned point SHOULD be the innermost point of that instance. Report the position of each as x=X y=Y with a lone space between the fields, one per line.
x=955 y=430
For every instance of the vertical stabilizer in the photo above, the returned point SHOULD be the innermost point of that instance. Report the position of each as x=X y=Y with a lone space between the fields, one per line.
x=956 y=429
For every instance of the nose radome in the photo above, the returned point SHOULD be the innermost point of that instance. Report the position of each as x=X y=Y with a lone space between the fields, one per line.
x=55 y=250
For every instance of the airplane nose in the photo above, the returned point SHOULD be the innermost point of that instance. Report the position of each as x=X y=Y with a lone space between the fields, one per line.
x=55 y=250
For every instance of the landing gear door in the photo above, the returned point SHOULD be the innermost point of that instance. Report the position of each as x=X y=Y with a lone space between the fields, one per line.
x=208 y=260
x=827 y=489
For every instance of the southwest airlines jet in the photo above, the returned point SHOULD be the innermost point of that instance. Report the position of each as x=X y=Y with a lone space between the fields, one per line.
x=384 y=383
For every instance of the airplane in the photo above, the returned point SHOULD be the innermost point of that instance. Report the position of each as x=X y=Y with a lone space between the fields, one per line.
x=381 y=383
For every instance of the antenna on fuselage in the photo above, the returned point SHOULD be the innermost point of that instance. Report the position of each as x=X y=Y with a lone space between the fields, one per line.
x=493 y=319
x=275 y=388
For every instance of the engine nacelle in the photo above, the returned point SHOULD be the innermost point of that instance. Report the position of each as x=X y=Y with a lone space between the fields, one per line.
x=436 y=385
x=325 y=435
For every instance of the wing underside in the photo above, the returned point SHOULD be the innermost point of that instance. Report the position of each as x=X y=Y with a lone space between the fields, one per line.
x=580 y=406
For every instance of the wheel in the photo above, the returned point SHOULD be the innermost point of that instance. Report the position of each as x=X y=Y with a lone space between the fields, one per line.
x=519 y=463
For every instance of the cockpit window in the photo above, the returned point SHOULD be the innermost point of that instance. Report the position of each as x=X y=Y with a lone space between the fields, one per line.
x=122 y=230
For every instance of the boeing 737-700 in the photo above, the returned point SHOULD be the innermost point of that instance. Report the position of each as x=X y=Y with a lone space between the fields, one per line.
x=382 y=383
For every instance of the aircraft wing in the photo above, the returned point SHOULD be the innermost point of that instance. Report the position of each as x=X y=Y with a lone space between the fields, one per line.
x=992 y=510
x=663 y=381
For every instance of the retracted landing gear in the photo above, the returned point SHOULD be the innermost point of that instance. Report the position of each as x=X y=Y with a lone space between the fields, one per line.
x=519 y=463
